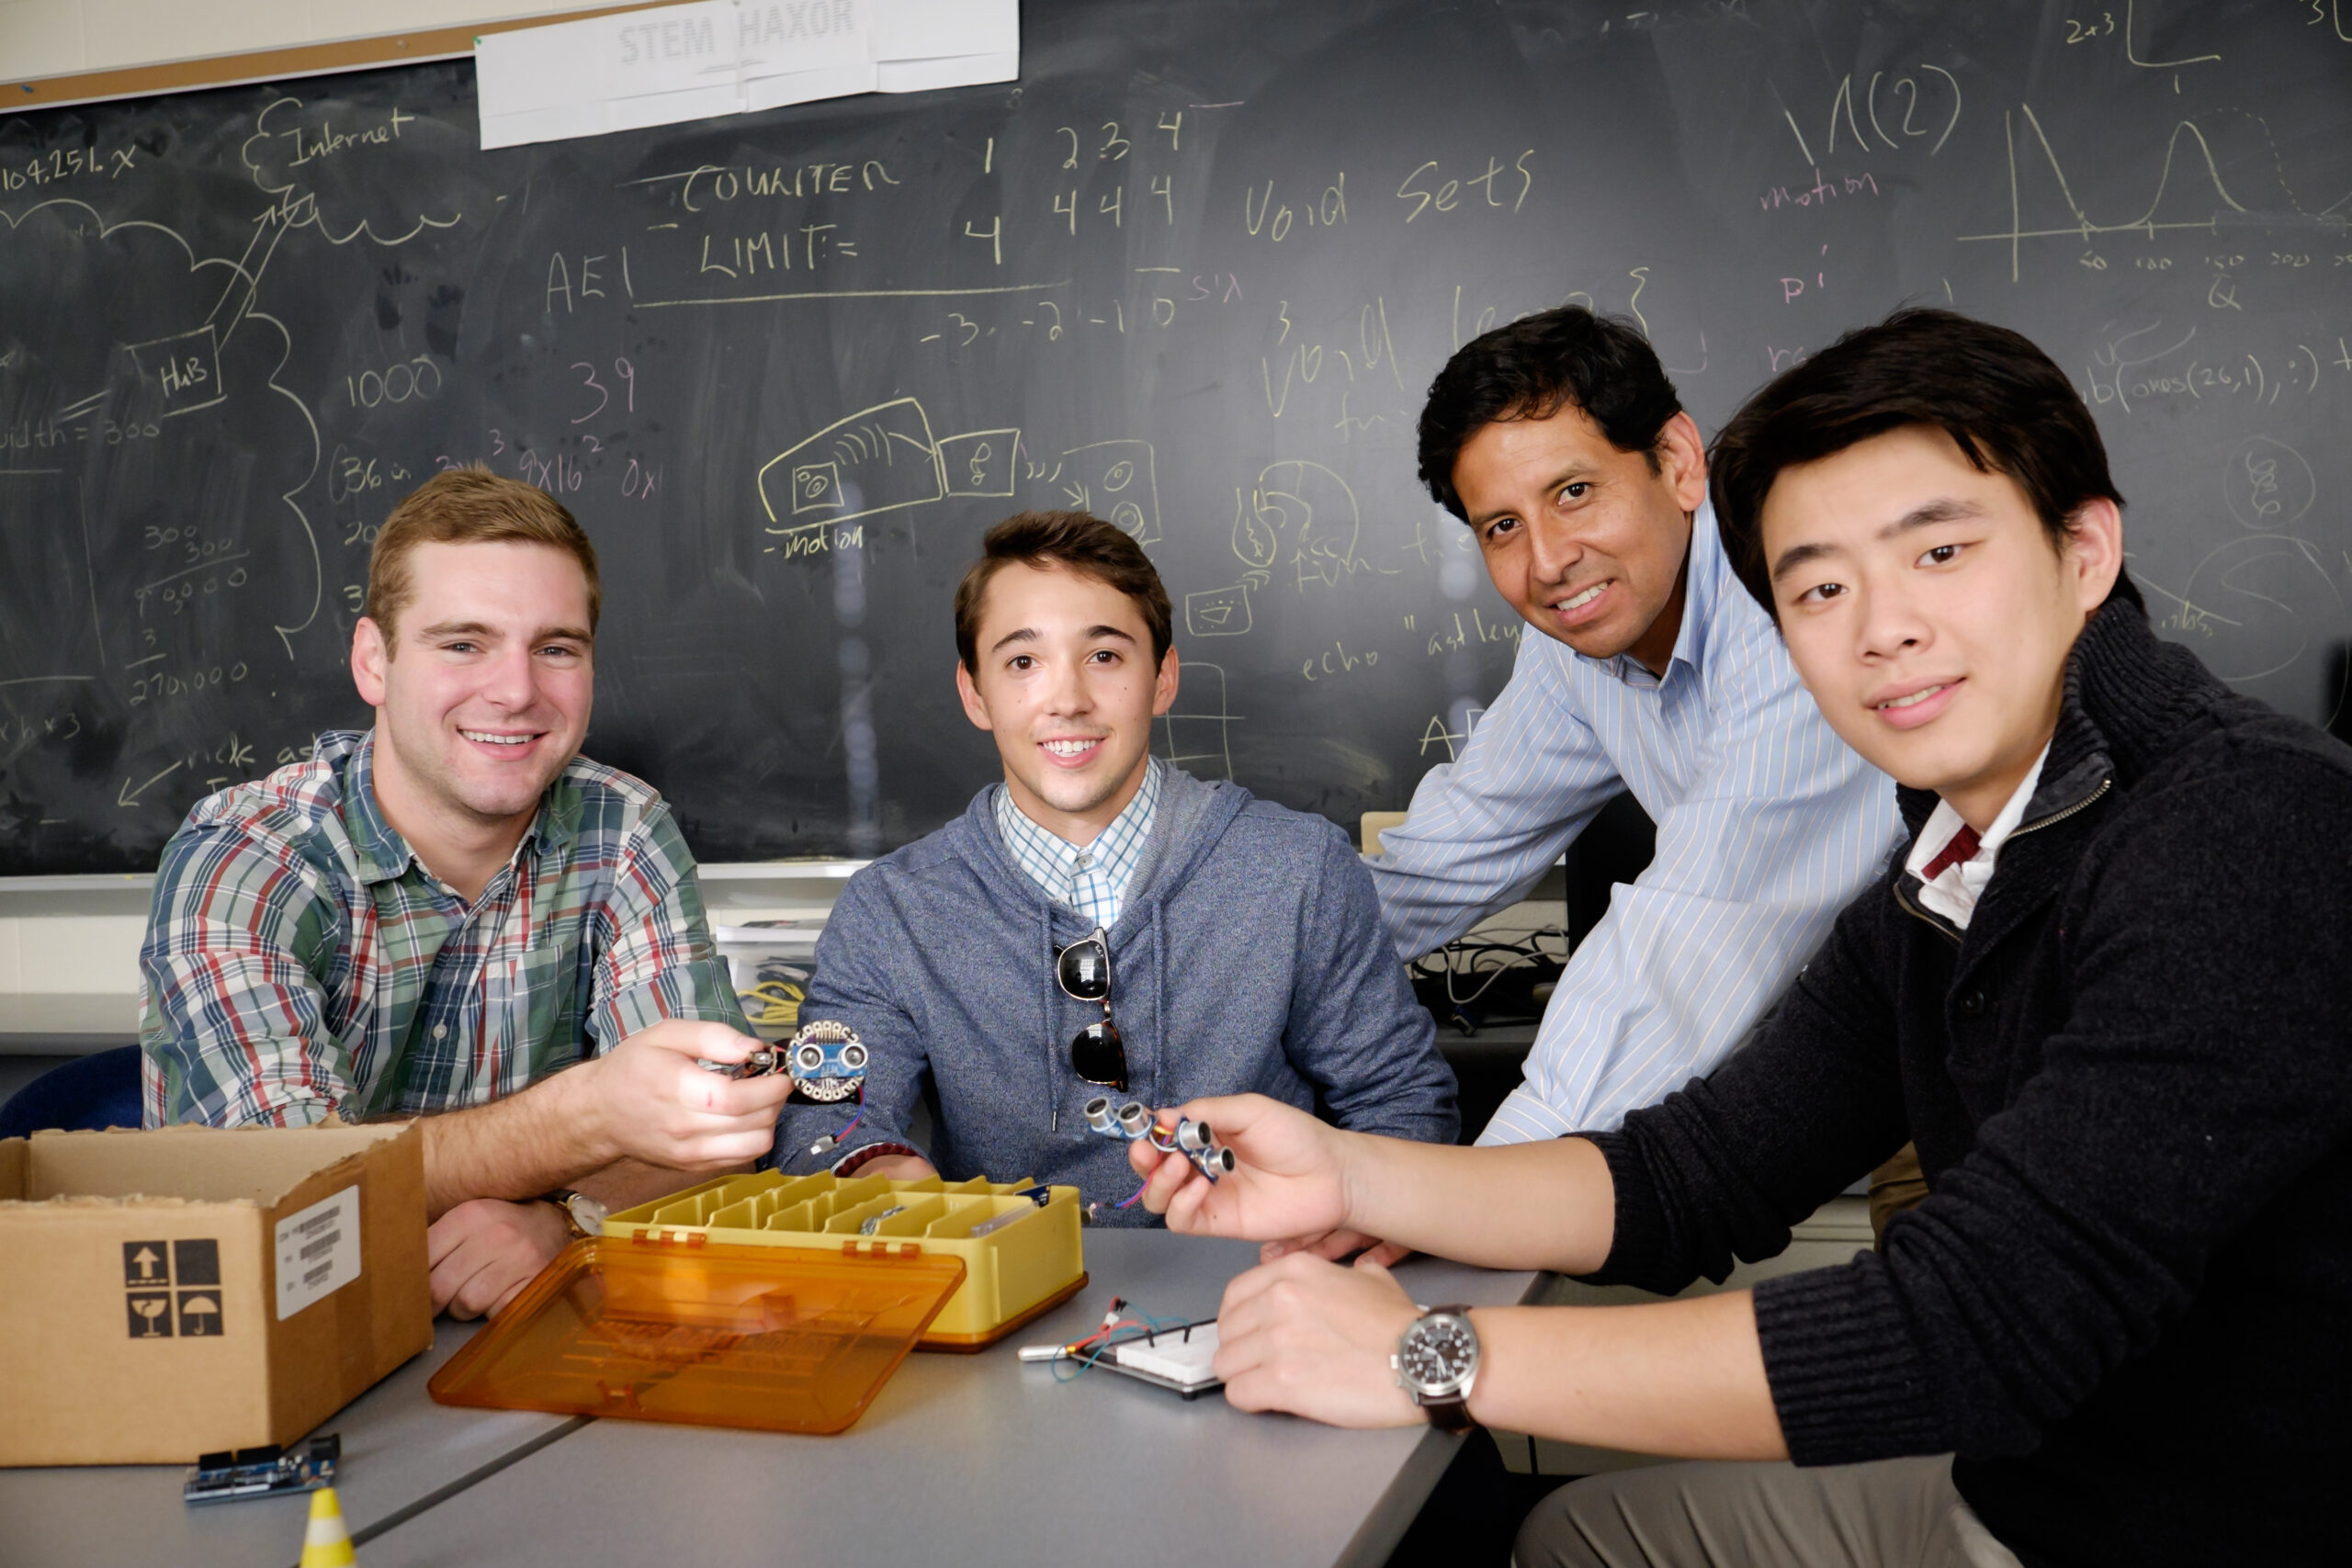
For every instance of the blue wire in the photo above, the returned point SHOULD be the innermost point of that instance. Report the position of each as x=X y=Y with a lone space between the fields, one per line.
x=842 y=1137
x=1126 y=1335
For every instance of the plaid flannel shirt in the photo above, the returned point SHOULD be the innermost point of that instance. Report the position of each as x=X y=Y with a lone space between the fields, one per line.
x=301 y=960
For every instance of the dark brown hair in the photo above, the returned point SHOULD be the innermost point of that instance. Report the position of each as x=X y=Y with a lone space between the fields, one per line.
x=470 y=506
x=1075 y=541
x=2004 y=403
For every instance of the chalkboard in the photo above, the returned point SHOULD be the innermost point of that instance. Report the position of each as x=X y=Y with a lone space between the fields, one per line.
x=1193 y=272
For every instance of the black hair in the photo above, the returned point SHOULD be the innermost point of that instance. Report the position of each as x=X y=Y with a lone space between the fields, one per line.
x=1533 y=367
x=2008 y=408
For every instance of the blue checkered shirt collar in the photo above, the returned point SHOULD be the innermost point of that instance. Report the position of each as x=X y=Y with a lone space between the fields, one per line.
x=1091 y=879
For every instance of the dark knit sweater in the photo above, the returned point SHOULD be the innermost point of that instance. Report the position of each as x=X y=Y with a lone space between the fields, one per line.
x=2127 y=1302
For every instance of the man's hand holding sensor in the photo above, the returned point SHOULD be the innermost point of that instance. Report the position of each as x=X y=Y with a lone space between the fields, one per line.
x=1299 y=1333
x=1289 y=1178
x=651 y=1098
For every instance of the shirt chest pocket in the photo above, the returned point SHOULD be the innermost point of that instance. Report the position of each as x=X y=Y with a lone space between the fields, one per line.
x=530 y=1014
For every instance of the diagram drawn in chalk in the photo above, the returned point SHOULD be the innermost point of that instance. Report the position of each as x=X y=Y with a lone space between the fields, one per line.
x=104 y=386
x=880 y=459
x=2268 y=485
x=1118 y=481
x=186 y=367
x=2273 y=594
x=1217 y=612
x=1195 y=728
x=1301 y=515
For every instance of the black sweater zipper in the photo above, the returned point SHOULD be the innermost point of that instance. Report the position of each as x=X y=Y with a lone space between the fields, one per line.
x=2082 y=805
x=1944 y=926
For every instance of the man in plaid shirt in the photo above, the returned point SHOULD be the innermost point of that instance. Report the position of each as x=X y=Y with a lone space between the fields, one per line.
x=440 y=916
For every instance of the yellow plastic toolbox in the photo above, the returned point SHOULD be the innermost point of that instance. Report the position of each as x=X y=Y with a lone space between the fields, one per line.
x=1018 y=1269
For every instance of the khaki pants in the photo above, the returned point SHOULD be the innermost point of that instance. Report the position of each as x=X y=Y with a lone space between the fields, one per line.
x=1896 y=1186
x=1896 y=1513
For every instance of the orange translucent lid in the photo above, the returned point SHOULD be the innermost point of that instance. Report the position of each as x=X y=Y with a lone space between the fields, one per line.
x=784 y=1339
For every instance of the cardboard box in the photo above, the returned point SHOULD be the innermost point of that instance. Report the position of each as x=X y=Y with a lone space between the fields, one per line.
x=185 y=1289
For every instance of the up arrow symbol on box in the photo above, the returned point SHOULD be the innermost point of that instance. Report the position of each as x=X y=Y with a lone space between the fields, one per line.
x=146 y=1260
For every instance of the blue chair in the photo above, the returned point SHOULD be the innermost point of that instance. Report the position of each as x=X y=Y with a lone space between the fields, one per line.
x=82 y=1096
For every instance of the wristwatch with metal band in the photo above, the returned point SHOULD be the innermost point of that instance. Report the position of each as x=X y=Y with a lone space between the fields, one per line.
x=1436 y=1363
x=584 y=1214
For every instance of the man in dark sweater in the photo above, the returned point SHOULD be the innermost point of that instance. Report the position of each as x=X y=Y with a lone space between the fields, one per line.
x=2103 y=990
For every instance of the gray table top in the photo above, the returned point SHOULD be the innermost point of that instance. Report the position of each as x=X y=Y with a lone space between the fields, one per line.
x=401 y=1454
x=976 y=1461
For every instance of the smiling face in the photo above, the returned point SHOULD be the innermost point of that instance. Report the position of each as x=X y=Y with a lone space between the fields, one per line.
x=1928 y=612
x=1067 y=687
x=482 y=695
x=1586 y=541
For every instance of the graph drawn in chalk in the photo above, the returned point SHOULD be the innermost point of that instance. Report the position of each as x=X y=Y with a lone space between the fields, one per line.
x=1195 y=731
x=881 y=459
x=2082 y=228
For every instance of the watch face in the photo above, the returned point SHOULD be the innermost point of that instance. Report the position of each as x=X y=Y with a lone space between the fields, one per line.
x=1438 y=1353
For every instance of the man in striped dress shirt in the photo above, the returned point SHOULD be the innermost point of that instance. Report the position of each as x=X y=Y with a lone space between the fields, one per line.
x=1562 y=445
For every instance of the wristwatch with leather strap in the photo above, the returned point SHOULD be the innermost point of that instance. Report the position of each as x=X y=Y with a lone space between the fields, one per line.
x=1436 y=1363
x=584 y=1214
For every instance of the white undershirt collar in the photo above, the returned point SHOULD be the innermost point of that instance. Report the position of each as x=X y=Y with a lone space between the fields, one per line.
x=1957 y=886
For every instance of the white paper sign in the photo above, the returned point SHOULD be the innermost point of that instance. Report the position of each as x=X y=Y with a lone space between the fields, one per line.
x=947 y=70
x=724 y=57
x=932 y=29
x=318 y=1251
x=778 y=37
x=842 y=80
x=672 y=49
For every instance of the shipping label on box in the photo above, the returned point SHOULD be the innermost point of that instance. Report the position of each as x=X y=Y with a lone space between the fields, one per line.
x=318 y=1251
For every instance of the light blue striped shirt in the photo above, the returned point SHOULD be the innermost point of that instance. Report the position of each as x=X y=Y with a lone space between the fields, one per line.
x=1767 y=826
x=1092 y=878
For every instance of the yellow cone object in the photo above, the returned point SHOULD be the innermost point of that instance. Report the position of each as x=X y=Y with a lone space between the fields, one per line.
x=326 y=1543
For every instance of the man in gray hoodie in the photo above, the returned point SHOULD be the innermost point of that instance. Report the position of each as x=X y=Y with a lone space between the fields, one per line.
x=1101 y=923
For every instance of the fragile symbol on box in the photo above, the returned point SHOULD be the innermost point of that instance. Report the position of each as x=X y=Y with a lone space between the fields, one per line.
x=151 y=1314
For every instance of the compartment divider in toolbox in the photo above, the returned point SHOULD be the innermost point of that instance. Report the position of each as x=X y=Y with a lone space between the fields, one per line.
x=1012 y=1274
